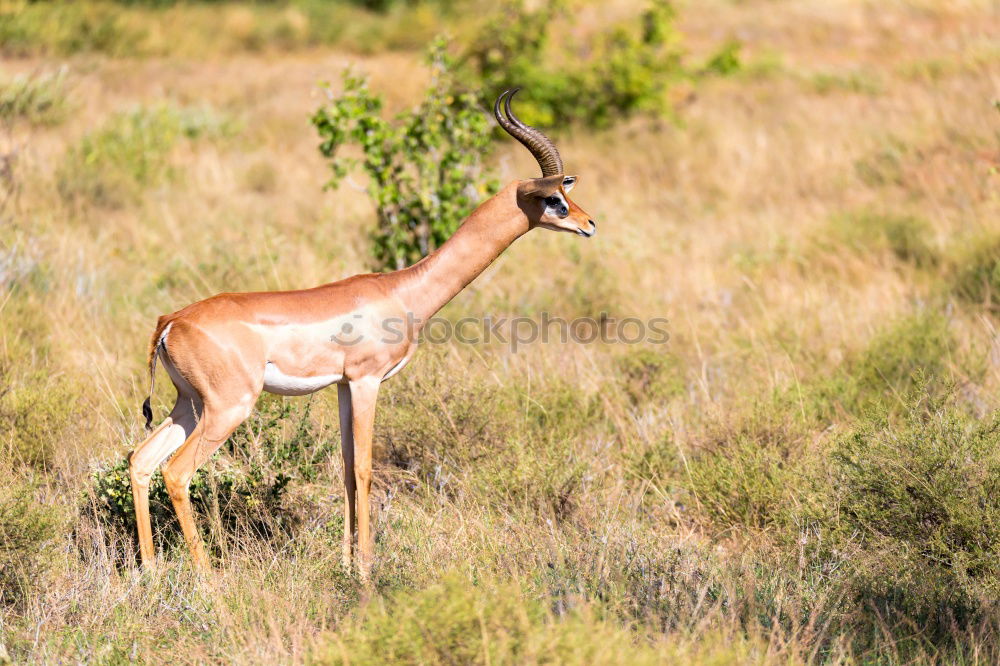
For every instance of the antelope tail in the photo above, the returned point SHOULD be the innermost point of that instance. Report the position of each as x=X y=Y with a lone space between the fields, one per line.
x=154 y=347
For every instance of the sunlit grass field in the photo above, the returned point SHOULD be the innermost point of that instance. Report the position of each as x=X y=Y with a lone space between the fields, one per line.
x=809 y=471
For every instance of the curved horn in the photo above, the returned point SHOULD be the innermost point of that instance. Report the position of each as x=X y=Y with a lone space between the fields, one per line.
x=539 y=145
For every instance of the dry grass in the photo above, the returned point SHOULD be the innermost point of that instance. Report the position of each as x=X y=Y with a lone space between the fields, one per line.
x=566 y=496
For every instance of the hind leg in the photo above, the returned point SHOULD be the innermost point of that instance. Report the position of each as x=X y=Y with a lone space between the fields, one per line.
x=144 y=460
x=212 y=430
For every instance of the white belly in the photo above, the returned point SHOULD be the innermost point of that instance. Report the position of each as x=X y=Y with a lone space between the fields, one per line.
x=275 y=381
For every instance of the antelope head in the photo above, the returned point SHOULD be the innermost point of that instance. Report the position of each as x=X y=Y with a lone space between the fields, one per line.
x=544 y=200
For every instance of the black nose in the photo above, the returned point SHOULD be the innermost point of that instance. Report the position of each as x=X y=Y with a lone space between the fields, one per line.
x=592 y=223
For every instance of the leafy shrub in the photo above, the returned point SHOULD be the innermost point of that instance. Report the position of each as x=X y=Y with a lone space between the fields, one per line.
x=902 y=357
x=890 y=526
x=922 y=497
x=741 y=475
x=244 y=499
x=282 y=436
x=424 y=170
x=246 y=491
x=928 y=486
x=28 y=532
x=625 y=69
x=459 y=622
x=39 y=99
x=907 y=237
x=111 y=166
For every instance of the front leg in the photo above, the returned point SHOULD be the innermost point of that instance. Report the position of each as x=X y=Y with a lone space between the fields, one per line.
x=347 y=449
x=364 y=394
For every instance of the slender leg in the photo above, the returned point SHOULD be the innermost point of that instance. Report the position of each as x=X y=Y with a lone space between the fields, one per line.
x=144 y=460
x=347 y=449
x=364 y=394
x=212 y=430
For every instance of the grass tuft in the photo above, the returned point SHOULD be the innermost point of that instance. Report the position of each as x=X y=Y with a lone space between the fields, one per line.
x=39 y=99
x=479 y=622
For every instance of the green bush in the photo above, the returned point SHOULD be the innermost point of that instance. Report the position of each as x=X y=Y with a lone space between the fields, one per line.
x=741 y=475
x=282 y=436
x=424 y=170
x=627 y=68
x=922 y=498
x=246 y=502
x=929 y=486
x=245 y=492
x=39 y=99
x=28 y=534
x=890 y=526
x=112 y=165
x=726 y=60
x=458 y=621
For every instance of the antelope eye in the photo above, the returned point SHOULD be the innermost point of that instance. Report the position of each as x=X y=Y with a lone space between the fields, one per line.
x=552 y=201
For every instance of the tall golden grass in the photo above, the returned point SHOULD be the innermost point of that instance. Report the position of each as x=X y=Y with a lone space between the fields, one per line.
x=807 y=228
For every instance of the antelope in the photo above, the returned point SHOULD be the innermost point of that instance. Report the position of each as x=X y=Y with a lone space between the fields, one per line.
x=221 y=352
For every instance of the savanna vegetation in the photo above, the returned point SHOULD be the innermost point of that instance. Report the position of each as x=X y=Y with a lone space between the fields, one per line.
x=808 y=191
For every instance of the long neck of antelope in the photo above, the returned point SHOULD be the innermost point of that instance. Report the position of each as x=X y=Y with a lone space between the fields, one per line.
x=431 y=283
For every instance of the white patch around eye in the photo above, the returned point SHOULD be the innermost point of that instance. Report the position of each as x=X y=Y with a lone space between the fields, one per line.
x=568 y=183
x=554 y=210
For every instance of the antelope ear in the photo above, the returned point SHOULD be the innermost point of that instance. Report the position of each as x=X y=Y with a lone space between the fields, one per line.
x=540 y=187
x=569 y=182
